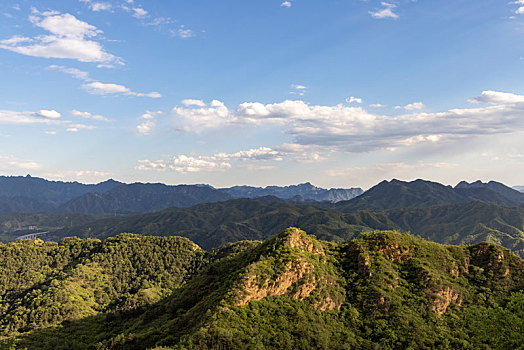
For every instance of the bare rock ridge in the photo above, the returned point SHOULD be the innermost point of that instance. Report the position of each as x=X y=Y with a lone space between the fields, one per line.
x=300 y=276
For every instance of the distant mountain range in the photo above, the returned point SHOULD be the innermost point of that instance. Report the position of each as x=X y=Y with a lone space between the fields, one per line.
x=396 y=194
x=211 y=225
x=306 y=190
x=465 y=214
x=49 y=192
x=35 y=195
x=519 y=188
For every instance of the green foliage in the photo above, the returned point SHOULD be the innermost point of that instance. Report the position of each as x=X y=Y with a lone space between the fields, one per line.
x=384 y=290
x=215 y=224
x=44 y=284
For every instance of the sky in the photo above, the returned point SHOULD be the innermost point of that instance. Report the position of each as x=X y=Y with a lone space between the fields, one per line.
x=340 y=93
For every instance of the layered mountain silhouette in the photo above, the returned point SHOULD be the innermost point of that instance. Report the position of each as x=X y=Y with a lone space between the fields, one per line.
x=396 y=194
x=213 y=224
x=36 y=195
x=306 y=191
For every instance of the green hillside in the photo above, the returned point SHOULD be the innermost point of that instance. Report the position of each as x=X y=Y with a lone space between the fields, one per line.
x=384 y=290
x=214 y=224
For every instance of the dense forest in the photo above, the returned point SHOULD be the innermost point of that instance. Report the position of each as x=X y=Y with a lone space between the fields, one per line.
x=383 y=290
x=213 y=224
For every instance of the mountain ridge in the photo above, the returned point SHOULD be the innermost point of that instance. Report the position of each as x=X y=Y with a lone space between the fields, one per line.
x=383 y=290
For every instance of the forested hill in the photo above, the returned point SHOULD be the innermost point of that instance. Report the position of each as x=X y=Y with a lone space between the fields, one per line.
x=48 y=192
x=35 y=195
x=142 y=198
x=396 y=194
x=385 y=290
x=213 y=224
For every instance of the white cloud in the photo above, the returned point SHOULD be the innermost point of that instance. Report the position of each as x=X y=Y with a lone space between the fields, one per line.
x=353 y=99
x=146 y=127
x=299 y=87
x=199 y=119
x=355 y=129
x=98 y=88
x=496 y=97
x=79 y=127
x=183 y=164
x=261 y=153
x=160 y=21
x=8 y=163
x=149 y=122
x=376 y=105
x=250 y=158
x=100 y=6
x=183 y=32
x=21 y=118
x=219 y=161
x=414 y=105
x=70 y=38
x=192 y=102
x=76 y=73
x=42 y=117
x=286 y=4
x=52 y=114
x=385 y=12
x=88 y=115
x=139 y=12
x=91 y=173
x=520 y=10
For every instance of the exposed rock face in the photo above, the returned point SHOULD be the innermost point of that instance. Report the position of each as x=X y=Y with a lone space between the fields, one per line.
x=444 y=298
x=298 y=278
x=255 y=289
x=297 y=239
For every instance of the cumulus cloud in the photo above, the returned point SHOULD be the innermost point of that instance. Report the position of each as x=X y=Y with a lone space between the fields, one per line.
x=183 y=164
x=385 y=12
x=148 y=122
x=42 y=117
x=146 y=127
x=192 y=102
x=414 y=105
x=352 y=99
x=286 y=4
x=139 y=12
x=69 y=38
x=98 y=88
x=26 y=117
x=254 y=158
x=520 y=9
x=200 y=119
x=52 y=114
x=261 y=153
x=355 y=129
x=496 y=97
x=88 y=115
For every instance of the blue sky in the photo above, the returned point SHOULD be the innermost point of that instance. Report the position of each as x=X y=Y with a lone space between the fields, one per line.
x=338 y=92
